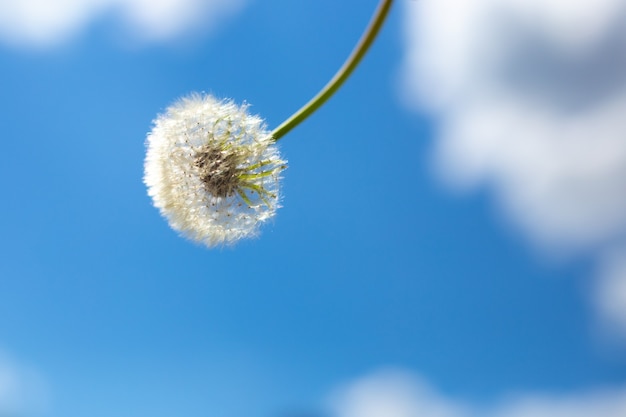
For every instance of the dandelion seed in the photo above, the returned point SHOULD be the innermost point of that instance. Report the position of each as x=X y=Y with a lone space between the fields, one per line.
x=213 y=170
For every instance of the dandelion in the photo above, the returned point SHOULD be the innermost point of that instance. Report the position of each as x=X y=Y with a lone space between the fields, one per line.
x=213 y=169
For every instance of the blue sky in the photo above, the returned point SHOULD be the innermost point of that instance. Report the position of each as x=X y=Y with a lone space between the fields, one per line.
x=444 y=249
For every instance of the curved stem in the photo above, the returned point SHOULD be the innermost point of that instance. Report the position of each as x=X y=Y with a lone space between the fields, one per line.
x=341 y=76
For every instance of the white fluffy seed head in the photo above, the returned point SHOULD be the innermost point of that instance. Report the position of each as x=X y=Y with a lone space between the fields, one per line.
x=213 y=170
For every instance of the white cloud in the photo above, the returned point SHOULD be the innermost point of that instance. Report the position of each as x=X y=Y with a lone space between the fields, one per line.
x=531 y=98
x=44 y=23
x=22 y=390
x=402 y=394
x=392 y=393
x=610 y=288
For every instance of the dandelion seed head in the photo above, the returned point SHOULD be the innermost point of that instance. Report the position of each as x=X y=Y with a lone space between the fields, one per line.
x=213 y=170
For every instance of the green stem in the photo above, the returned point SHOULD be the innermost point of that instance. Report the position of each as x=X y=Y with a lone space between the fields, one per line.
x=341 y=76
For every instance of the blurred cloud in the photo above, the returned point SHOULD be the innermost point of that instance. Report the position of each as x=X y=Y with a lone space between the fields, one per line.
x=531 y=98
x=44 y=23
x=610 y=288
x=22 y=390
x=392 y=393
x=396 y=393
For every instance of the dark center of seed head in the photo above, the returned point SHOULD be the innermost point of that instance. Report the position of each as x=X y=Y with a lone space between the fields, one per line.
x=219 y=170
